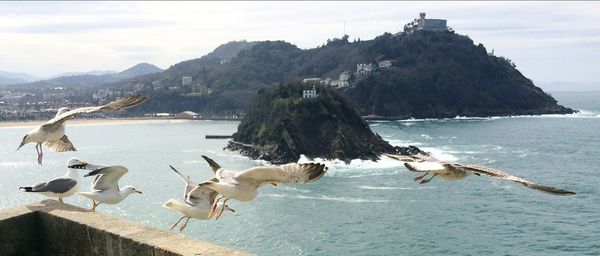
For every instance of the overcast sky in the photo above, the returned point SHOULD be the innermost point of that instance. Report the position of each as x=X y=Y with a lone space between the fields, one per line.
x=548 y=41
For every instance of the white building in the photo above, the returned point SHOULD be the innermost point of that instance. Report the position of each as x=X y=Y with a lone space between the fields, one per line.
x=186 y=80
x=426 y=24
x=312 y=93
x=385 y=64
x=187 y=115
x=364 y=69
x=311 y=79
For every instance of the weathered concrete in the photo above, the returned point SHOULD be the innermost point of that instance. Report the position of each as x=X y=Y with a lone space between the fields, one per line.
x=53 y=228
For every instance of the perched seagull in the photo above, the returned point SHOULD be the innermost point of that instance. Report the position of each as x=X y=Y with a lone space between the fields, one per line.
x=63 y=186
x=456 y=171
x=197 y=201
x=243 y=186
x=52 y=133
x=105 y=188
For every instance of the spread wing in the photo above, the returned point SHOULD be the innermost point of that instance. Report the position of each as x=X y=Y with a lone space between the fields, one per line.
x=411 y=158
x=109 y=177
x=61 y=145
x=201 y=195
x=213 y=165
x=189 y=184
x=60 y=185
x=507 y=176
x=289 y=173
x=426 y=166
x=122 y=103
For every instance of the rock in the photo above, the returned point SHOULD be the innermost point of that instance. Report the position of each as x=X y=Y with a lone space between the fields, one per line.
x=281 y=126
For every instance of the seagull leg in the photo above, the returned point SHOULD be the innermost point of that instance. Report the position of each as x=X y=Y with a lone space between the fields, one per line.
x=428 y=180
x=214 y=207
x=184 y=225
x=94 y=205
x=421 y=177
x=174 y=225
x=38 y=149
x=222 y=209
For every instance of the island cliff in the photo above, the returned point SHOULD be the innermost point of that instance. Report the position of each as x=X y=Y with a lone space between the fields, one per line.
x=282 y=124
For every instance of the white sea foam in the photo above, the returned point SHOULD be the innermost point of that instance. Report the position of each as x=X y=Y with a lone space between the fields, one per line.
x=330 y=198
x=393 y=188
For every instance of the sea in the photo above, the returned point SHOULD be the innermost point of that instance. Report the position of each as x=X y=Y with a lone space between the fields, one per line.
x=365 y=207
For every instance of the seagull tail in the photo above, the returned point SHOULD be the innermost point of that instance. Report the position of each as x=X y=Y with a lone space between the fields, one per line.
x=26 y=189
x=550 y=190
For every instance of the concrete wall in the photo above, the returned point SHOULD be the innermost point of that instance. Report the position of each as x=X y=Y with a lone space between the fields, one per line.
x=53 y=228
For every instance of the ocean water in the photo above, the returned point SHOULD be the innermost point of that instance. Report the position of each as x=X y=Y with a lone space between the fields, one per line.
x=364 y=208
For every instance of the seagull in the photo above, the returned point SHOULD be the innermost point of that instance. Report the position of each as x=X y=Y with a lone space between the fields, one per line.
x=62 y=187
x=197 y=204
x=52 y=133
x=456 y=171
x=105 y=188
x=243 y=185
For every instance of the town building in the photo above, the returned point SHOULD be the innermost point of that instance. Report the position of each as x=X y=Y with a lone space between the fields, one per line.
x=425 y=24
x=186 y=80
x=385 y=64
x=364 y=69
x=312 y=93
x=187 y=115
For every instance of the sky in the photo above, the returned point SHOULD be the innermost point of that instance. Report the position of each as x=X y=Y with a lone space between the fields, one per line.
x=548 y=41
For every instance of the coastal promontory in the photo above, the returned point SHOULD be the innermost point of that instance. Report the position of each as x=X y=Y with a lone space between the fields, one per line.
x=294 y=119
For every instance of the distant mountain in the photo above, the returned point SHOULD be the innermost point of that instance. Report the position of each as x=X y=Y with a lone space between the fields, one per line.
x=231 y=49
x=98 y=77
x=432 y=75
x=94 y=73
x=139 y=70
x=7 y=78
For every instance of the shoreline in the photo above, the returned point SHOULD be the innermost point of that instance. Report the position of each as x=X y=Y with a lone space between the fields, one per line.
x=101 y=121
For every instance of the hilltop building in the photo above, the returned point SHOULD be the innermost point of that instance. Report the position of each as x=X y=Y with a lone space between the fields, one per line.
x=312 y=93
x=425 y=24
x=385 y=64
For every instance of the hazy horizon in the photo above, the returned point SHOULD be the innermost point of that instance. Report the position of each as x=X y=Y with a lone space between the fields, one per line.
x=44 y=39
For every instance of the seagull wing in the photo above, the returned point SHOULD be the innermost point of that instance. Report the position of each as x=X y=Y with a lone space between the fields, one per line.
x=60 y=185
x=507 y=176
x=213 y=165
x=189 y=184
x=201 y=195
x=426 y=166
x=411 y=158
x=61 y=145
x=109 y=177
x=122 y=103
x=289 y=173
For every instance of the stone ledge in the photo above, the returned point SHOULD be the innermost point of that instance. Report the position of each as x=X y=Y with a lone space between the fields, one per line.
x=41 y=228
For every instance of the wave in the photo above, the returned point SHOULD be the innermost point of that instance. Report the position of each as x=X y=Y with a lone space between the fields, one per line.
x=393 y=188
x=581 y=114
x=330 y=198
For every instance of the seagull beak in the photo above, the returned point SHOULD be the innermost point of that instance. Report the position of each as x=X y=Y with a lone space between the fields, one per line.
x=139 y=192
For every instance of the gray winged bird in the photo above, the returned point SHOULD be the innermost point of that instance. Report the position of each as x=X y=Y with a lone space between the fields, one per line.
x=455 y=171
x=65 y=186
x=243 y=185
x=105 y=188
x=197 y=201
x=52 y=133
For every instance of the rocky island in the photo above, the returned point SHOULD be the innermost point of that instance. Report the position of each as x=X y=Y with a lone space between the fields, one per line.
x=293 y=119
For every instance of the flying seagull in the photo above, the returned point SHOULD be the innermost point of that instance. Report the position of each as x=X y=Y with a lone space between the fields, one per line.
x=197 y=201
x=243 y=185
x=62 y=187
x=105 y=188
x=52 y=133
x=455 y=171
